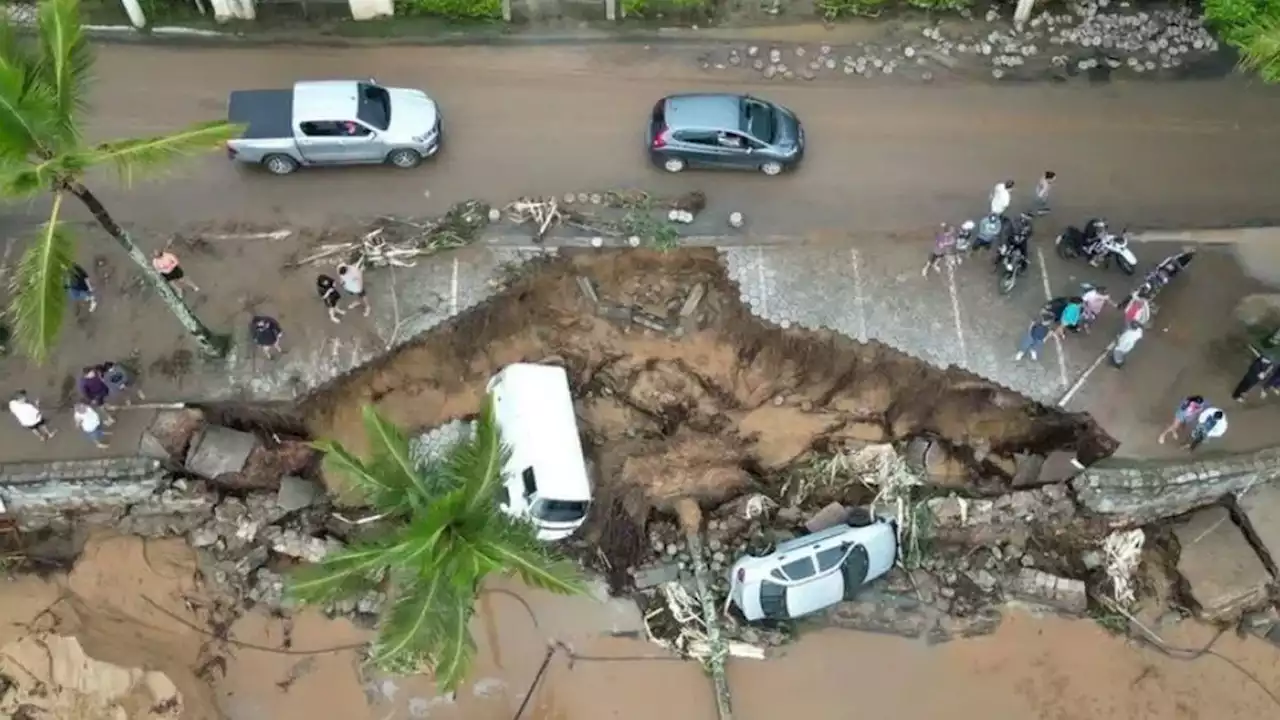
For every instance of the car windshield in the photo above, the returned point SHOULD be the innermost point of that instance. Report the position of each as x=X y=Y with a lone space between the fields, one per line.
x=559 y=510
x=375 y=106
x=758 y=120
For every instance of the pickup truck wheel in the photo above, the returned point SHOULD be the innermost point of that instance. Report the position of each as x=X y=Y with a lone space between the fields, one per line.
x=404 y=158
x=279 y=164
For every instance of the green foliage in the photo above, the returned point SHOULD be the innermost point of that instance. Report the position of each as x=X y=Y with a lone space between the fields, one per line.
x=44 y=83
x=1253 y=27
x=945 y=5
x=836 y=9
x=452 y=9
x=447 y=534
x=654 y=8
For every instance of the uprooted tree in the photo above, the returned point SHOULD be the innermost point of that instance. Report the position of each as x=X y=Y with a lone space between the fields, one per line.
x=444 y=533
x=44 y=82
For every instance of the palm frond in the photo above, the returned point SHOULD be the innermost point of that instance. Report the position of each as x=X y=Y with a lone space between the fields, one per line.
x=39 y=295
x=477 y=463
x=512 y=545
x=142 y=155
x=342 y=574
x=27 y=114
x=1260 y=51
x=65 y=63
x=390 y=459
x=428 y=622
x=27 y=177
x=367 y=480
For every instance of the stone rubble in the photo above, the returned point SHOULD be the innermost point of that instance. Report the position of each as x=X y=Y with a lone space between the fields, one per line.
x=1082 y=37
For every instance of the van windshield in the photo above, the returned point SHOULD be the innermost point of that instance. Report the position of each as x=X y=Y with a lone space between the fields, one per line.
x=559 y=511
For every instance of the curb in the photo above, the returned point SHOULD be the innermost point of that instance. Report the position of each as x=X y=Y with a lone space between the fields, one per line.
x=1214 y=236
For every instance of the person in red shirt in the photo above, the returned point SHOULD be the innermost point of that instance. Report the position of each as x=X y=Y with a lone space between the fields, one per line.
x=166 y=263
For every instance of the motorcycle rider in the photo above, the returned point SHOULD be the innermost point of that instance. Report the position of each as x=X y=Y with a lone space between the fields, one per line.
x=1019 y=241
x=989 y=230
x=1096 y=235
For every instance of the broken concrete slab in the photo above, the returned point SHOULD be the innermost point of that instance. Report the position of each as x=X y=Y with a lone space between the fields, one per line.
x=297 y=493
x=170 y=433
x=1041 y=588
x=218 y=450
x=829 y=516
x=1222 y=570
x=1260 y=506
x=1058 y=467
x=1028 y=470
x=655 y=575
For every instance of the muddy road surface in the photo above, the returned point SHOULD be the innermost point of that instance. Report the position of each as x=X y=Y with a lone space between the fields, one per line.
x=548 y=120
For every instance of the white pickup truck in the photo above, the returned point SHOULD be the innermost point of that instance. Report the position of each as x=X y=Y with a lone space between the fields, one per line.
x=333 y=122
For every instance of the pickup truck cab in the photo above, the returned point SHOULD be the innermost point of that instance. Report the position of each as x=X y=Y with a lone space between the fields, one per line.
x=333 y=122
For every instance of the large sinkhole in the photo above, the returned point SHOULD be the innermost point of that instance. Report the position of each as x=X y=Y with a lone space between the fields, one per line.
x=682 y=393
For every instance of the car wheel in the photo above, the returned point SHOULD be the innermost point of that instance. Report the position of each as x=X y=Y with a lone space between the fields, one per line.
x=404 y=159
x=673 y=165
x=279 y=164
x=860 y=517
x=771 y=168
x=760 y=546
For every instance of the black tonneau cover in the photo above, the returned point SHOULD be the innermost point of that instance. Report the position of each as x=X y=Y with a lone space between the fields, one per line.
x=264 y=113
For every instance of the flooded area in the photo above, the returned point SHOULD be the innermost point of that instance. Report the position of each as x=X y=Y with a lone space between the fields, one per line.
x=129 y=602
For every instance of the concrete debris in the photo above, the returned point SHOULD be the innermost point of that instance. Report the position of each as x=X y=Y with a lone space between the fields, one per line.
x=294 y=544
x=660 y=574
x=218 y=450
x=1260 y=508
x=1221 y=569
x=829 y=516
x=296 y=493
x=1058 y=592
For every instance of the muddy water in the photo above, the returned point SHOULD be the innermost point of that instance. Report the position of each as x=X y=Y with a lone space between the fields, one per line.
x=1031 y=669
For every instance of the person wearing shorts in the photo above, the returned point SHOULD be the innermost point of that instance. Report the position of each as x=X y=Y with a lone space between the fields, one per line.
x=78 y=287
x=27 y=412
x=266 y=333
x=167 y=264
x=1212 y=423
x=351 y=277
x=1187 y=413
x=327 y=289
x=90 y=423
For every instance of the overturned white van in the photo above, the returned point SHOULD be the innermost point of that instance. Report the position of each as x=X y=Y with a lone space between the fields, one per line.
x=546 y=479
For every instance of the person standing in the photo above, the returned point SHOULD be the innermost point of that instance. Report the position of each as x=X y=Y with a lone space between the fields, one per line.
x=1043 y=187
x=95 y=391
x=1272 y=385
x=1138 y=309
x=166 y=263
x=90 y=423
x=327 y=289
x=351 y=277
x=1186 y=414
x=266 y=334
x=27 y=412
x=1001 y=197
x=1033 y=340
x=1125 y=342
x=78 y=287
x=1212 y=423
x=1257 y=372
x=944 y=246
x=118 y=378
x=1095 y=300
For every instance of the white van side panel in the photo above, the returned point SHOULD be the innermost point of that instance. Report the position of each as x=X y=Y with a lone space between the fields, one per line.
x=534 y=410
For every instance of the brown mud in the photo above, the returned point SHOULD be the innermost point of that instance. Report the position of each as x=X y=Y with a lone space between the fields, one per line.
x=683 y=398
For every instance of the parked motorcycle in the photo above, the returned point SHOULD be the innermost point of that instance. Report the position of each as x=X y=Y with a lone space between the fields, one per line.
x=1100 y=246
x=1163 y=273
x=1011 y=263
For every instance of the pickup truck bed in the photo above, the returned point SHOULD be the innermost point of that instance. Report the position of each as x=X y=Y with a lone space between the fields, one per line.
x=264 y=113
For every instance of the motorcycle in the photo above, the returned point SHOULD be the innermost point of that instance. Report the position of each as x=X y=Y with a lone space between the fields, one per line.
x=1163 y=273
x=1012 y=262
x=1099 y=246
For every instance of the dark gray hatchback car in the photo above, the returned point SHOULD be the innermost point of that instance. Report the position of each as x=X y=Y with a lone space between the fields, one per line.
x=724 y=131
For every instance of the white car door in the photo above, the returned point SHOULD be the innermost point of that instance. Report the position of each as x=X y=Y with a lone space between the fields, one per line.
x=810 y=590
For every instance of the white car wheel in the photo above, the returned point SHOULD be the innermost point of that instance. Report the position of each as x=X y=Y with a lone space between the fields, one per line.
x=771 y=168
x=280 y=164
x=673 y=165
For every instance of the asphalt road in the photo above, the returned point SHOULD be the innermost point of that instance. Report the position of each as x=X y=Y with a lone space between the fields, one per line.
x=885 y=156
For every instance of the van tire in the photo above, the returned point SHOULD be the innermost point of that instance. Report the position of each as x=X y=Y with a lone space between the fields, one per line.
x=404 y=158
x=279 y=164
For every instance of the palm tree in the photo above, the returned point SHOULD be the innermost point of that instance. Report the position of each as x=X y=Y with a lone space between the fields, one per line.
x=43 y=84
x=1260 y=49
x=446 y=535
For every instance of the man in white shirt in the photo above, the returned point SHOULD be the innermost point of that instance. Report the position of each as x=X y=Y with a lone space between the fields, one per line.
x=29 y=416
x=1212 y=423
x=351 y=277
x=1125 y=343
x=90 y=423
x=1000 y=197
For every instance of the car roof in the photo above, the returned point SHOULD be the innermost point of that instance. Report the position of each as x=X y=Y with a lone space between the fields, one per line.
x=720 y=111
x=534 y=410
x=325 y=100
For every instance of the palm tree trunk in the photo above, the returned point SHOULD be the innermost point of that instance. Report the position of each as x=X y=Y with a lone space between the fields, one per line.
x=211 y=344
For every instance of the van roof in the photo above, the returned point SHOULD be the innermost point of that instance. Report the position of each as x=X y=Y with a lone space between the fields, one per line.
x=536 y=416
